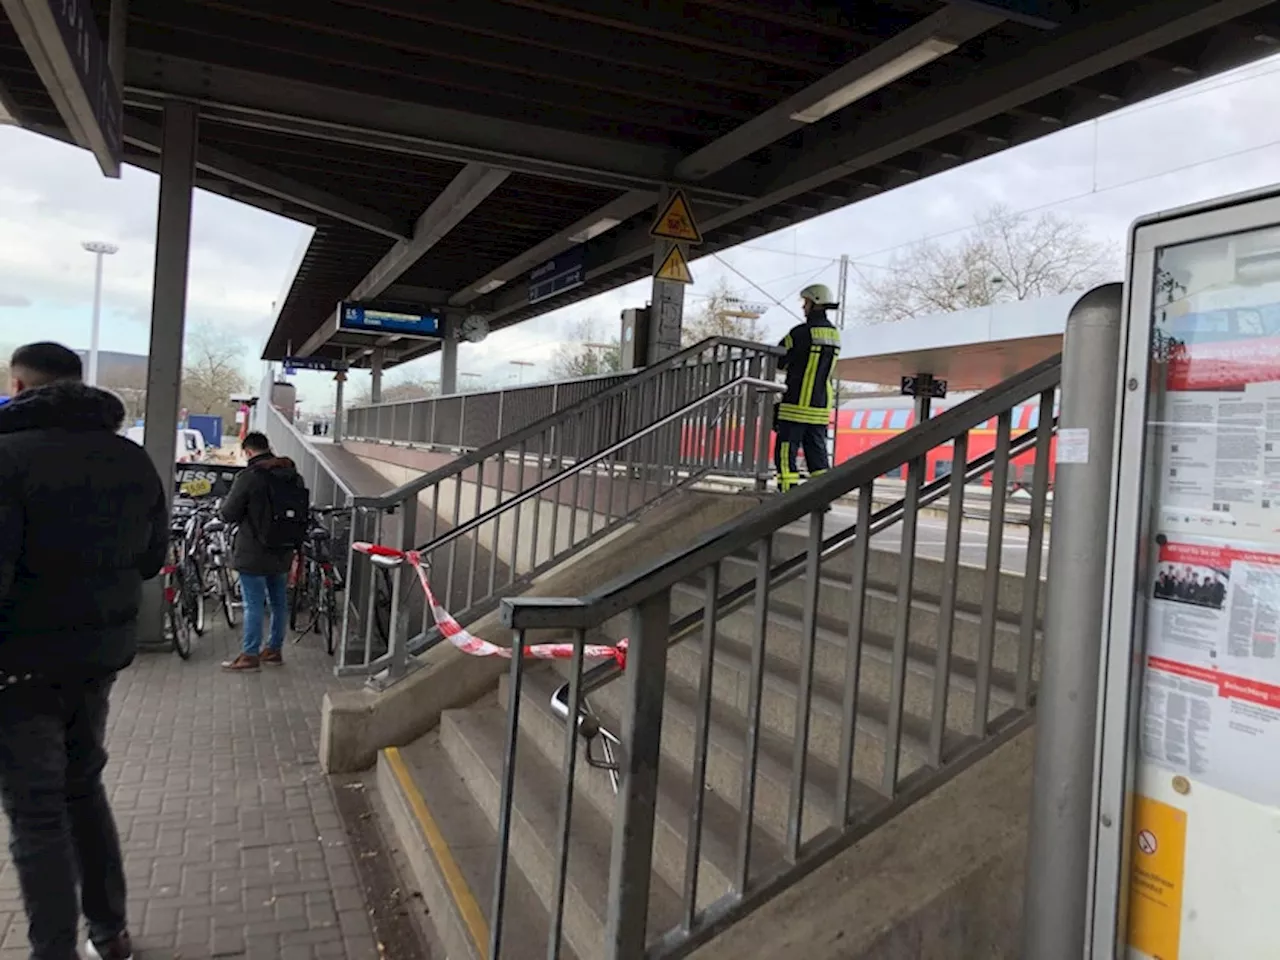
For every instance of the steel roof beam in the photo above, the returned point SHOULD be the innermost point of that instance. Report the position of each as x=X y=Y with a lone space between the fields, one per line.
x=954 y=25
x=138 y=133
x=314 y=111
x=1062 y=60
x=470 y=188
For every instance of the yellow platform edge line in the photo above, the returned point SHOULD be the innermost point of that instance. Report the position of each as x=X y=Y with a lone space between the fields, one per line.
x=459 y=889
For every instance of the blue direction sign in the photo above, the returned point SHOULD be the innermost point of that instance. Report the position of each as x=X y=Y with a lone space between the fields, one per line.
x=557 y=275
x=61 y=38
x=358 y=318
x=328 y=364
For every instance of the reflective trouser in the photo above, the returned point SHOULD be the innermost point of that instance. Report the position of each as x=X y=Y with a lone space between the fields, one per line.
x=791 y=438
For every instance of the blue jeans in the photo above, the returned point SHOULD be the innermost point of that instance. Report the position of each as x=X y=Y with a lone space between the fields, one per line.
x=259 y=591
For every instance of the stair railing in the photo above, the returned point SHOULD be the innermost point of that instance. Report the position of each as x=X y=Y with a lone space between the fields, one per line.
x=810 y=835
x=500 y=516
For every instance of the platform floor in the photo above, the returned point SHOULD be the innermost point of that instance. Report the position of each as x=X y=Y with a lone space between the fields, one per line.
x=233 y=843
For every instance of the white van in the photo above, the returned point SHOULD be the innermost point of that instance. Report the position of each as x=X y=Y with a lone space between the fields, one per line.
x=190 y=448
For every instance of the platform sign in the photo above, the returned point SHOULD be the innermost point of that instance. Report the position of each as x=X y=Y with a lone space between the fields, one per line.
x=923 y=385
x=359 y=318
x=1187 y=859
x=62 y=40
x=324 y=364
x=563 y=272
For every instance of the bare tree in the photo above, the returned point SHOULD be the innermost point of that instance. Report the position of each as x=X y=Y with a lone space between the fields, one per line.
x=1007 y=256
x=212 y=372
x=584 y=354
x=721 y=316
x=410 y=388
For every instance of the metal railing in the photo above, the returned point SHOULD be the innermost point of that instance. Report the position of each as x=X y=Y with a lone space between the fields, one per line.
x=496 y=517
x=905 y=714
x=467 y=421
x=327 y=488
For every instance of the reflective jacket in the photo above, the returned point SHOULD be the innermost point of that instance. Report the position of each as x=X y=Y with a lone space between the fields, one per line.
x=812 y=349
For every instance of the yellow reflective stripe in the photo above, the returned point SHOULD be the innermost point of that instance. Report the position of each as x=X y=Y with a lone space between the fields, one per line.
x=798 y=413
x=827 y=335
x=810 y=376
x=786 y=342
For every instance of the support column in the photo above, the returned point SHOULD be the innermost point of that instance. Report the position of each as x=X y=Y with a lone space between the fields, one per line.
x=1057 y=886
x=375 y=369
x=449 y=358
x=168 y=312
x=666 y=311
x=340 y=378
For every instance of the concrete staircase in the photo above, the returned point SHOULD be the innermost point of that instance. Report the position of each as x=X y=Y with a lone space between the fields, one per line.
x=442 y=792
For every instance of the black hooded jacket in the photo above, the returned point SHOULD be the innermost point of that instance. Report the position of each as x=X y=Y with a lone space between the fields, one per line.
x=83 y=521
x=248 y=504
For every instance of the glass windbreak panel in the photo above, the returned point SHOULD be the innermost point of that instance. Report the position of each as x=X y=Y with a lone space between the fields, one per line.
x=1207 y=762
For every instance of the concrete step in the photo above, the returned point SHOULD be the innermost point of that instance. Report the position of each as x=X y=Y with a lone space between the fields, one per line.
x=785 y=642
x=720 y=822
x=475 y=739
x=726 y=753
x=880 y=612
x=451 y=848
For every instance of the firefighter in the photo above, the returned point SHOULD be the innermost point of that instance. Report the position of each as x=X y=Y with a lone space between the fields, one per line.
x=802 y=417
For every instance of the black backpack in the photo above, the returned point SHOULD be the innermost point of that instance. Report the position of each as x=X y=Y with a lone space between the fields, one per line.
x=284 y=522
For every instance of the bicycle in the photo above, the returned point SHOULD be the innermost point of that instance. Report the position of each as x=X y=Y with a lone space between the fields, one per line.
x=314 y=582
x=220 y=579
x=183 y=596
x=185 y=535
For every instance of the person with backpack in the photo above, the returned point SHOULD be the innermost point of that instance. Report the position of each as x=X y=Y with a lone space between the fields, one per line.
x=270 y=504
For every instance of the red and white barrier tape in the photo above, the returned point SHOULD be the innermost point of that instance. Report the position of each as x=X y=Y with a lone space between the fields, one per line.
x=473 y=645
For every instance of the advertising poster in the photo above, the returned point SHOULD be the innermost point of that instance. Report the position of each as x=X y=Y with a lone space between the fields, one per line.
x=199 y=480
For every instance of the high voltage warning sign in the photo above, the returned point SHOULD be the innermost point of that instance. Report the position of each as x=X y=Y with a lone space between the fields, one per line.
x=675 y=268
x=676 y=221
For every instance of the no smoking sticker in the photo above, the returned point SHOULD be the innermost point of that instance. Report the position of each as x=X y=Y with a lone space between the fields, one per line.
x=1147 y=842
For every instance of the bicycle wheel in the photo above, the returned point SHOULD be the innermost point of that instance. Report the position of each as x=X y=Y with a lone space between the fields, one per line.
x=180 y=628
x=328 y=614
x=228 y=585
x=192 y=594
x=297 y=589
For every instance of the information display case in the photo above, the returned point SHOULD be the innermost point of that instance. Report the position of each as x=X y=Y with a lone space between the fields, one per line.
x=1186 y=847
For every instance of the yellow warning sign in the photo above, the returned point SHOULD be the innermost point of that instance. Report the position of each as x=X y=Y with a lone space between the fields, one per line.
x=1156 y=878
x=676 y=221
x=675 y=268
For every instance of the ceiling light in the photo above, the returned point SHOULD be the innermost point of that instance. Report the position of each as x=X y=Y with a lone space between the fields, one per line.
x=603 y=225
x=897 y=68
x=489 y=286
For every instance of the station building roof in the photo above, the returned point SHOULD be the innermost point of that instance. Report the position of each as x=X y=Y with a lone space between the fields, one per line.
x=444 y=149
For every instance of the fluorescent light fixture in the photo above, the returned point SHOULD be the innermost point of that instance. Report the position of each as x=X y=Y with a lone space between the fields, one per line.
x=603 y=225
x=489 y=286
x=922 y=53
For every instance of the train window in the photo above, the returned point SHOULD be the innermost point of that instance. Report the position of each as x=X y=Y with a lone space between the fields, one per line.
x=942 y=468
x=1034 y=420
x=875 y=419
x=898 y=419
x=858 y=417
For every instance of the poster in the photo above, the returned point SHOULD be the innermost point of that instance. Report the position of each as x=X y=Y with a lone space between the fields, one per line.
x=1211 y=692
x=205 y=479
x=1157 y=868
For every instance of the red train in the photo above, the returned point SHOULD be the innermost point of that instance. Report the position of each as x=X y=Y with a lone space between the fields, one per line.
x=861 y=424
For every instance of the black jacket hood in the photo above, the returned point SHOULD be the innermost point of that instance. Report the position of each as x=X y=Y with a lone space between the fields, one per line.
x=72 y=406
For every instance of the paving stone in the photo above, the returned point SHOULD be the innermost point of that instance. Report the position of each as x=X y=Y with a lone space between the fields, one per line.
x=233 y=846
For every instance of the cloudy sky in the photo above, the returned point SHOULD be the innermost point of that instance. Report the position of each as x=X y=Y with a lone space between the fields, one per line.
x=1216 y=137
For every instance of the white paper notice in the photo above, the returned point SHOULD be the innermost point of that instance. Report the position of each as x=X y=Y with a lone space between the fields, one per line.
x=1073 y=445
x=1220 y=465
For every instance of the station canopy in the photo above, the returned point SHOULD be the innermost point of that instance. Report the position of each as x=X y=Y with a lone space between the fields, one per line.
x=453 y=155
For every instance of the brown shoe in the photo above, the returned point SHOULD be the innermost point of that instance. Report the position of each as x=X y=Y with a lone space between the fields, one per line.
x=272 y=657
x=118 y=948
x=241 y=663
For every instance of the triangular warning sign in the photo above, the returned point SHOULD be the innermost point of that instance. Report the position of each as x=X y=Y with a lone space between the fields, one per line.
x=675 y=268
x=676 y=221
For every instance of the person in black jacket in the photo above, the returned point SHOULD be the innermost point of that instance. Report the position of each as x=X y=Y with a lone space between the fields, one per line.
x=263 y=568
x=802 y=418
x=83 y=521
